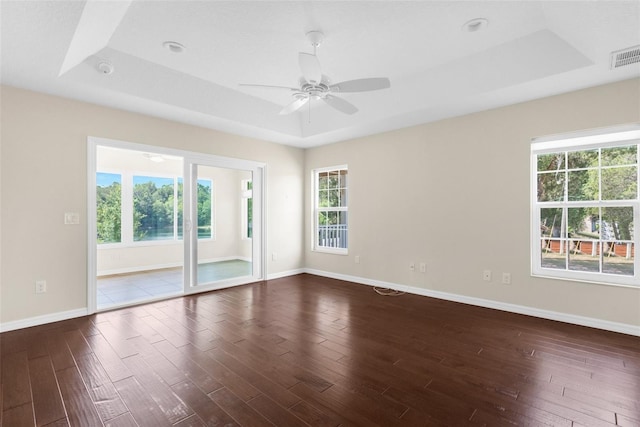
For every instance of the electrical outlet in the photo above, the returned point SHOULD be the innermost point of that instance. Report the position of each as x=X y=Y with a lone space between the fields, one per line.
x=506 y=278
x=357 y=259
x=41 y=286
x=486 y=275
x=423 y=267
x=412 y=266
x=274 y=256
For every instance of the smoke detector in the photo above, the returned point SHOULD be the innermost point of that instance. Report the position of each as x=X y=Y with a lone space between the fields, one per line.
x=628 y=56
x=105 y=67
x=474 y=25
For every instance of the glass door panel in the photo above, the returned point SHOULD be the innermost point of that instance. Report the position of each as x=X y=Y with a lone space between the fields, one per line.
x=221 y=230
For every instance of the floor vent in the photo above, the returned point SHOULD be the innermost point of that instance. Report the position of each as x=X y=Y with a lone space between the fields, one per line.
x=623 y=57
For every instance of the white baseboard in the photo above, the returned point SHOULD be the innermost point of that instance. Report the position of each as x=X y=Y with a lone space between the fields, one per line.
x=41 y=320
x=623 y=328
x=287 y=273
x=513 y=308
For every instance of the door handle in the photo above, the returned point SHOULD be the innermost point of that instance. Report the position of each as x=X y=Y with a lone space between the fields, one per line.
x=188 y=225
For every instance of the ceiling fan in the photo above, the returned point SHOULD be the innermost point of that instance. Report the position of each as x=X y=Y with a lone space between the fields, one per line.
x=315 y=85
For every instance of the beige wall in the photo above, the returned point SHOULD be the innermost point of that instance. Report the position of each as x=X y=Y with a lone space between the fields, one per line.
x=44 y=175
x=455 y=194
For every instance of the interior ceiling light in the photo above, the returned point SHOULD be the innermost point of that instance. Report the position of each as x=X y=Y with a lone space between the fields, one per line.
x=158 y=158
x=105 y=67
x=173 y=47
x=477 y=24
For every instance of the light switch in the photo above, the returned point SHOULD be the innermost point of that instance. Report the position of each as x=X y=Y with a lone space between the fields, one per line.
x=71 y=218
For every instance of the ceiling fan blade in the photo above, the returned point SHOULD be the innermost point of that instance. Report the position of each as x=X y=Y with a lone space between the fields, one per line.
x=362 y=85
x=340 y=104
x=295 y=105
x=310 y=67
x=269 y=86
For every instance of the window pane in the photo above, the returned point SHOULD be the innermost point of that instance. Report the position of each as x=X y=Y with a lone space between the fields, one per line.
x=583 y=255
x=553 y=245
x=618 y=258
x=323 y=180
x=334 y=179
x=323 y=198
x=620 y=156
x=582 y=159
x=620 y=183
x=152 y=208
x=551 y=224
x=551 y=162
x=249 y=218
x=108 y=207
x=551 y=186
x=180 y=207
x=332 y=229
x=205 y=230
x=583 y=185
x=617 y=223
x=343 y=197
x=617 y=232
x=554 y=253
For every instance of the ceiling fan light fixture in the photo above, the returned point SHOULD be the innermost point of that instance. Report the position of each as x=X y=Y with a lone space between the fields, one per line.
x=475 y=25
x=174 y=47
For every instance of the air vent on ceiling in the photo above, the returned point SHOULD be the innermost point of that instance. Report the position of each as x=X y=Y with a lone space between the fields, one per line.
x=623 y=57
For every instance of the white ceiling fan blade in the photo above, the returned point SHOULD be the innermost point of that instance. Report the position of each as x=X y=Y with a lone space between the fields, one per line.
x=295 y=105
x=340 y=104
x=269 y=86
x=362 y=85
x=310 y=67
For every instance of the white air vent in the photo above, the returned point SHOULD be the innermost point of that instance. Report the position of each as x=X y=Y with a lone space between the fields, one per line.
x=623 y=57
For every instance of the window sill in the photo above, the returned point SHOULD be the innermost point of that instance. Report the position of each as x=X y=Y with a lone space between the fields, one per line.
x=334 y=251
x=624 y=284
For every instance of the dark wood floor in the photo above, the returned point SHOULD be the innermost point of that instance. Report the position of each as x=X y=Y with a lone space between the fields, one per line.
x=306 y=350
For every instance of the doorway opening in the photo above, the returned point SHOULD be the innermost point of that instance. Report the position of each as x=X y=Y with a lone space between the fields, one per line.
x=164 y=223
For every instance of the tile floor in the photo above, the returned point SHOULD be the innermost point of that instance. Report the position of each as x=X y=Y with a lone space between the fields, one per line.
x=134 y=287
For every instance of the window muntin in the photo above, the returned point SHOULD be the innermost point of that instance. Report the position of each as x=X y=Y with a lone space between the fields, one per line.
x=585 y=204
x=331 y=209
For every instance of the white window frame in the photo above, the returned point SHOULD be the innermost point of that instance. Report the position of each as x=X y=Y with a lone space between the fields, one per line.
x=316 y=210
x=578 y=141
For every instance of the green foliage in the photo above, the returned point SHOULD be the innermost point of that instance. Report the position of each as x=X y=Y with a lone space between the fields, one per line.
x=204 y=210
x=108 y=213
x=590 y=175
x=152 y=209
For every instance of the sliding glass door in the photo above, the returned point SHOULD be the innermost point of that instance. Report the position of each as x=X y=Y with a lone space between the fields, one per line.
x=166 y=222
x=223 y=218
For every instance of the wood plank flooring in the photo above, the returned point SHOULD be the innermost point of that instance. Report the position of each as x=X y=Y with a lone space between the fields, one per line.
x=306 y=350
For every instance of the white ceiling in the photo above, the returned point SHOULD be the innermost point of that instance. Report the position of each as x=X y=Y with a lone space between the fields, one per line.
x=530 y=49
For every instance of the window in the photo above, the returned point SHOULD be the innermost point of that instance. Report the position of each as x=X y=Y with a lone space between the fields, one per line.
x=154 y=206
x=330 y=210
x=585 y=203
x=247 y=209
x=108 y=207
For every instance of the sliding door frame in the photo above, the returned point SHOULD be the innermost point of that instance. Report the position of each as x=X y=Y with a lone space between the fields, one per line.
x=258 y=170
